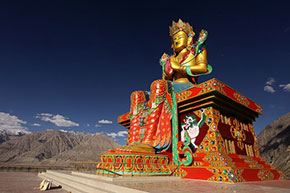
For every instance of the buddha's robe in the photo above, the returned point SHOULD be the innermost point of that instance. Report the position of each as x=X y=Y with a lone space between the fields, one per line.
x=151 y=120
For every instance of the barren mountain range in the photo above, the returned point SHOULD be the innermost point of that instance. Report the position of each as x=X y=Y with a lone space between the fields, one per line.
x=54 y=147
x=274 y=143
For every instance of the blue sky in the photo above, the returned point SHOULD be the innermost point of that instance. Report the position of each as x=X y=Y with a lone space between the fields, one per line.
x=72 y=65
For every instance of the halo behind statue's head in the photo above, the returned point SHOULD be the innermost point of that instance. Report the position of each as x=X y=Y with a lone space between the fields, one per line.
x=181 y=26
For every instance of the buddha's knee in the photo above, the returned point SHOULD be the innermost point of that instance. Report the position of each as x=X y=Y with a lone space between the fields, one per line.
x=159 y=88
x=137 y=98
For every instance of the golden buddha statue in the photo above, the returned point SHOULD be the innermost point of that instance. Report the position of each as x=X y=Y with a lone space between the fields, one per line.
x=189 y=60
x=150 y=115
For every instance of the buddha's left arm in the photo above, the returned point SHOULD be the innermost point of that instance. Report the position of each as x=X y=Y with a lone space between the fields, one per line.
x=200 y=63
x=197 y=65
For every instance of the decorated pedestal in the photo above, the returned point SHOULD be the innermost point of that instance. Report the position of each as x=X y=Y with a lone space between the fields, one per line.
x=133 y=164
x=212 y=138
x=199 y=131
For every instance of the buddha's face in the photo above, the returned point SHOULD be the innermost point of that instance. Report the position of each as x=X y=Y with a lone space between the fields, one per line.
x=179 y=41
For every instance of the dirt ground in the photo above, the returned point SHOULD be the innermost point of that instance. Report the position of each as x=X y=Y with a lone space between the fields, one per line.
x=23 y=182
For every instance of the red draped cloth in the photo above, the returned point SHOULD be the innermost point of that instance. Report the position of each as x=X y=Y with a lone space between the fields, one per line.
x=151 y=120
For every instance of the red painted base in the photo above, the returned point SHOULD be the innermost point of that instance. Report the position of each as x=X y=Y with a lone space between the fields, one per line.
x=228 y=168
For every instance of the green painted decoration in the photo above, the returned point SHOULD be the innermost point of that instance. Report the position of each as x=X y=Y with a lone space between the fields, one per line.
x=174 y=130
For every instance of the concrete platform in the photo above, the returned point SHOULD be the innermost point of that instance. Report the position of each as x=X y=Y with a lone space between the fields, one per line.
x=200 y=186
x=76 y=182
x=23 y=182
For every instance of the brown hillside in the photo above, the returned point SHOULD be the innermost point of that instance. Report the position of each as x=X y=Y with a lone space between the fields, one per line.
x=274 y=143
x=89 y=150
x=54 y=147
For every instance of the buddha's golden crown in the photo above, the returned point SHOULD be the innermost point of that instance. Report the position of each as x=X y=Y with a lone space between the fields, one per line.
x=180 y=26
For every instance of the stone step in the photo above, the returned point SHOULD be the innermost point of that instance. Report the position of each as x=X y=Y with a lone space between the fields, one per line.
x=94 y=176
x=128 y=178
x=57 y=181
x=86 y=184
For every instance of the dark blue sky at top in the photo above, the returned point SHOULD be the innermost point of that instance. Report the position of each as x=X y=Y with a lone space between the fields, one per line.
x=82 y=59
